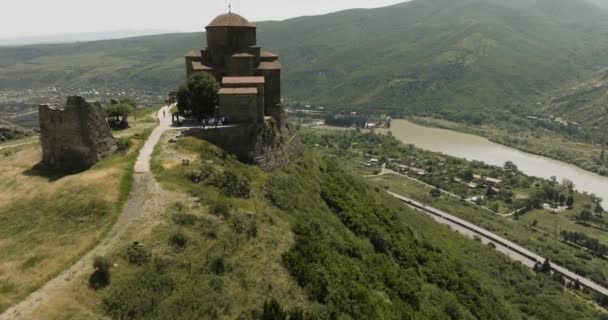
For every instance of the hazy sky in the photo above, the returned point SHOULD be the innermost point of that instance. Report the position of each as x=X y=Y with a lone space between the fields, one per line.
x=20 y=18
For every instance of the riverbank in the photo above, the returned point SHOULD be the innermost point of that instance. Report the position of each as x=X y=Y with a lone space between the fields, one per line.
x=539 y=142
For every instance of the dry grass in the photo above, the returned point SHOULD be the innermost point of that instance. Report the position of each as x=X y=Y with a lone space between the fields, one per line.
x=48 y=220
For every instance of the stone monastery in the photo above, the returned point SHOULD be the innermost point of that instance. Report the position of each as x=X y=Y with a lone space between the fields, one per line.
x=250 y=77
x=250 y=94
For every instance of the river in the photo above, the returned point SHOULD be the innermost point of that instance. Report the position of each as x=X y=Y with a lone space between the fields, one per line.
x=472 y=147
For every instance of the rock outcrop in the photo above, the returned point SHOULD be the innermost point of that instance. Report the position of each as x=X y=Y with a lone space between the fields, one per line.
x=74 y=137
x=270 y=145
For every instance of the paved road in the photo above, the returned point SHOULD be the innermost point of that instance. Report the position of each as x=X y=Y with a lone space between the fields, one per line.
x=142 y=200
x=513 y=250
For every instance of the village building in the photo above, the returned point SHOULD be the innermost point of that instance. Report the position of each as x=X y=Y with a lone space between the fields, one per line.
x=250 y=77
x=492 y=181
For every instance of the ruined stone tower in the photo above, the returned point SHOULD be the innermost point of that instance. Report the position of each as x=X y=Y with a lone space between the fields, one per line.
x=74 y=137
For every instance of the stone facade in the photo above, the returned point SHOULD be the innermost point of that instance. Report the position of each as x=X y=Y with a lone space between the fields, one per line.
x=269 y=146
x=250 y=94
x=232 y=54
x=74 y=137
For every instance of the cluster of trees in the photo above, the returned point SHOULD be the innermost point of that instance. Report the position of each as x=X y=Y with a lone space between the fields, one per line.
x=586 y=216
x=118 y=112
x=198 y=96
x=345 y=120
x=548 y=193
x=583 y=240
x=351 y=244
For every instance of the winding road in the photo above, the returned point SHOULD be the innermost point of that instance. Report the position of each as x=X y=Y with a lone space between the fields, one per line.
x=509 y=248
x=141 y=201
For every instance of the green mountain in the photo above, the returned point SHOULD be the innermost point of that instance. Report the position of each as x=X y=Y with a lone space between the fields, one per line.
x=438 y=54
x=431 y=56
x=585 y=104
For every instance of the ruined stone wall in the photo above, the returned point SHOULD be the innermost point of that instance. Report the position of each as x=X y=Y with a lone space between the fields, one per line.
x=74 y=137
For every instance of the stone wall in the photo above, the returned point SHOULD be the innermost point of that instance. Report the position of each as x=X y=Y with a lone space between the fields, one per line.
x=240 y=108
x=74 y=137
x=237 y=139
x=270 y=146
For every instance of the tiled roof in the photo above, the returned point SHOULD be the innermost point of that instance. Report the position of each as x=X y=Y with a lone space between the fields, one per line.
x=228 y=91
x=273 y=65
x=194 y=53
x=198 y=66
x=243 y=55
x=268 y=54
x=243 y=80
x=230 y=20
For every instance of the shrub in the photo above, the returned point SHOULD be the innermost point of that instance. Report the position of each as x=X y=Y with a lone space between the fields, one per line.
x=123 y=144
x=138 y=255
x=178 y=240
x=221 y=208
x=273 y=311
x=102 y=264
x=232 y=185
x=209 y=229
x=101 y=276
x=184 y=219
x=217 y=265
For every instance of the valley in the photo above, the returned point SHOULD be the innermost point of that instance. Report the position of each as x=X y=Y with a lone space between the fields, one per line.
x=432 y=159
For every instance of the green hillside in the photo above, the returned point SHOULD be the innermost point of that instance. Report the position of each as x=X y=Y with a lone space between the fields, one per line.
x=322 y=242
x=151 y=62
x=434 y=54
x=427 y=56
x=585 y=103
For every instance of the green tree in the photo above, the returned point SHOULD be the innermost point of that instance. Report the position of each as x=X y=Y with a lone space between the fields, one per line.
x=585 y=216
x=570 y=201
x=436 y=193
x=510 y=166
x=546 y=267
x=183 y=99
x=118 y=114
x=490 y=192
x=598 y=209
x=468 y=175
x=202 y=92
x=198 y=96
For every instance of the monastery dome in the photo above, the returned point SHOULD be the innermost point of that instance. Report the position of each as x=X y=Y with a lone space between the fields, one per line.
x=230 y=19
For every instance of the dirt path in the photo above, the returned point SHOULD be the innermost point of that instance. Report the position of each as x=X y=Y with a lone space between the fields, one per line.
x=21 y=142
x=144 y=199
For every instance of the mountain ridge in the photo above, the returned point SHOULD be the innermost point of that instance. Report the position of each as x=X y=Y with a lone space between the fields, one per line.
x=424 y=56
